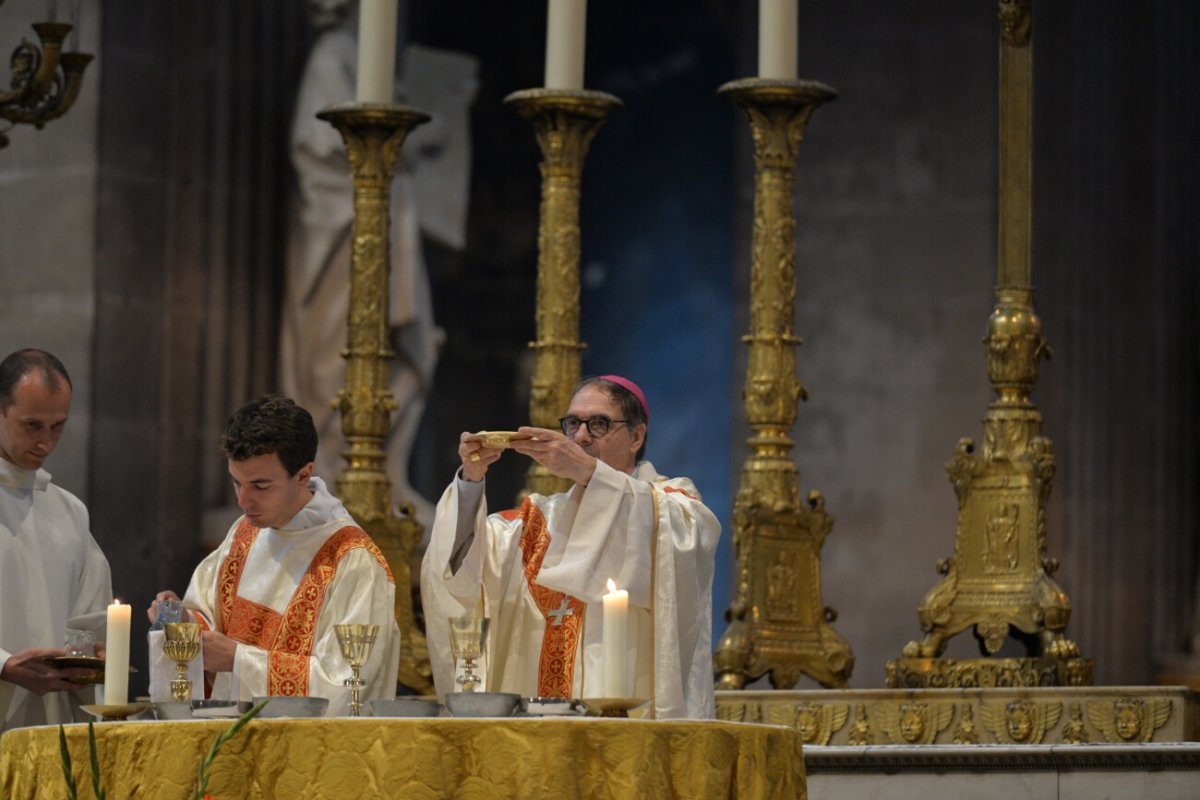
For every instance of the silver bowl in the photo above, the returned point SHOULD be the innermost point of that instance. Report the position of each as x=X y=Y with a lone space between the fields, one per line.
x=404 y=707
x=551 y=707
x=280 y=706
x=171 y=709
x=482 y=704
x=219 y=708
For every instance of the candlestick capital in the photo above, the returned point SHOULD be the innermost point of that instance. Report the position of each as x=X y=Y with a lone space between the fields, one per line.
x=389 y=115
x=581 y=102
x=778 y=91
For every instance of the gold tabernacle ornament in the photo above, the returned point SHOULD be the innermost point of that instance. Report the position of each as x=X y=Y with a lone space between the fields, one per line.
x=564 y=122
x=181 y=643
x=1000 y=580
x=777 y=622
x=356 y=640
x=374 y=134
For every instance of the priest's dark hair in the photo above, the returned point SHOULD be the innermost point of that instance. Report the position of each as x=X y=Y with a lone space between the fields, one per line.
x=271 y=424
x=20 y=363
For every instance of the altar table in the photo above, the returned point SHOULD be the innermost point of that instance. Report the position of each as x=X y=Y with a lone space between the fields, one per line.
x=415 y=758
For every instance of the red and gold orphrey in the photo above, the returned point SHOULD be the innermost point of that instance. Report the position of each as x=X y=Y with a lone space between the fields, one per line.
x=560 y=642
x=287 y=637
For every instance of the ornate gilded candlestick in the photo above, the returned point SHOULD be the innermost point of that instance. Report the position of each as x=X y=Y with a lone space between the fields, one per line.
x=373 y=134
x=565 y=123
x=777 y=622
x=356 y=641
x=467 y=635
x=181 y=643
x=999 y=580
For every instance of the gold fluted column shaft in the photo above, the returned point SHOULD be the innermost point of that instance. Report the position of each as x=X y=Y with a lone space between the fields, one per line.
x=777 y=621
x=1016 y=145
x=564 y=123
x=374 y=134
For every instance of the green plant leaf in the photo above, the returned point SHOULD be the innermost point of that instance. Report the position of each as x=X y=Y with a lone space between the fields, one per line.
x=65 y=755
x=202 y=775
x=95 y=761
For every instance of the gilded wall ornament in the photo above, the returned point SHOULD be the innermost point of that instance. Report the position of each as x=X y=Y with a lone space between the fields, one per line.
x=1074 y=731
x=914 y=722
x=1128 y=719
x=860 y=731
x=964 y=732
x=1020 y=721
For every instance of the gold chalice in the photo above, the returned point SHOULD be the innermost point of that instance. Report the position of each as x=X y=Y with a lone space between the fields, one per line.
x=181 y=644
x=356 y=641
x=467 y=635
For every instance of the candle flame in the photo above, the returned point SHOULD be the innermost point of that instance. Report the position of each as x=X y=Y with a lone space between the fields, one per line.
x=116 y=601
x=612 y=587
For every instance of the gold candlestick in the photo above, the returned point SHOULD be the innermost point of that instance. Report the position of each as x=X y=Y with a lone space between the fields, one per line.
x=565 y=123
x=467 y=635
x=181 y=643
x=1000 y=579
x=777 y=622
x=374 y=134
x=356 y=641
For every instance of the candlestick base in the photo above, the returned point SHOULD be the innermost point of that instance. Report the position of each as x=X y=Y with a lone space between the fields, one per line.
x=613 y=706
x=115 y=713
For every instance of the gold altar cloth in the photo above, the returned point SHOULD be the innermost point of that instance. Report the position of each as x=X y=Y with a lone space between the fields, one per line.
x=415 y=758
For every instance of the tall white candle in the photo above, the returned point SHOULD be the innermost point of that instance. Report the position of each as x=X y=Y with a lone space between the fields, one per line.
x=566 y=26
x=116 y=655
x=778 y=24
x=376 y=51
x=616 y=642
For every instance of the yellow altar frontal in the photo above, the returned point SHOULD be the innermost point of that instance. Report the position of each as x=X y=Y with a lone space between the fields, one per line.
x=415 y=758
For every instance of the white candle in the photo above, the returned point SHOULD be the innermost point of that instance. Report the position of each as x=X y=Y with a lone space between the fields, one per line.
x=116 y=655
x=616 y=642
x=778 y=24
x=376 y=51
x=566 y=23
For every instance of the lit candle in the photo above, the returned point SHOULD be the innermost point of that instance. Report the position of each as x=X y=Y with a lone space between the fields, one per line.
x=116 y=655
x=778 y=24
x=616 y=641
x=376 y=51
x=566 y=22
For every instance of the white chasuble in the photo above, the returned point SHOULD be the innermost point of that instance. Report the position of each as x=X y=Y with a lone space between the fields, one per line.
x=539 y=573
x=280 y=592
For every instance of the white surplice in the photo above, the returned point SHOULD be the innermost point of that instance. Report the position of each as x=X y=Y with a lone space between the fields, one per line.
x=277 y=564
x=651 y=535
x=51 y=572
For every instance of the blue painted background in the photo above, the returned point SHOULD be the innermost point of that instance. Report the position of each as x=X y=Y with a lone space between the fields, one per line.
x=657 y=263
